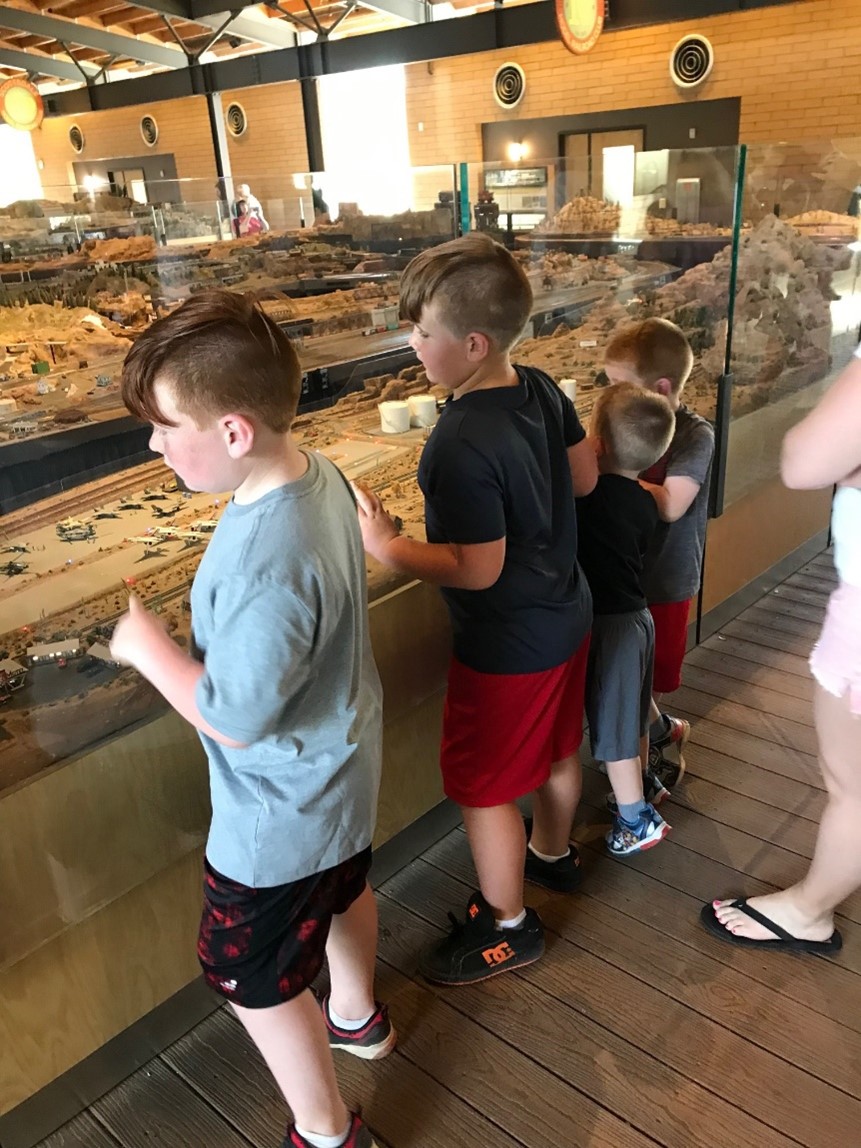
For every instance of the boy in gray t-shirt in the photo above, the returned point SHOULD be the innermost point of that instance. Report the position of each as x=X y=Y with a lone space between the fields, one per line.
x=282 y=688
x=655 y=354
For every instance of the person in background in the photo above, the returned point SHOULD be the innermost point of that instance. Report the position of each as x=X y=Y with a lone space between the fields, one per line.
x=823 y=449
x=247 y=223
x=254 y=205
x=655 y=354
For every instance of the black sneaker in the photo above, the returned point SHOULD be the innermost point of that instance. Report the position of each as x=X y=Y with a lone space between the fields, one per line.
x=666 y=753
x=476 y=949
x=359 y=1136
x=374 y=1040
x=562 y=876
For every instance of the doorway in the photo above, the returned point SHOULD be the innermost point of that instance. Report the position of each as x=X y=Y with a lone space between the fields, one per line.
x=600 y=164
x=129 y=182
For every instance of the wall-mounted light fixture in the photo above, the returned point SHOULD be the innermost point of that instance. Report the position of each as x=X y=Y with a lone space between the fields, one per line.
x=517 y=151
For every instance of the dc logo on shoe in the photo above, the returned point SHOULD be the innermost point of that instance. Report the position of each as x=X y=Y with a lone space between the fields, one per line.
x=499 y=954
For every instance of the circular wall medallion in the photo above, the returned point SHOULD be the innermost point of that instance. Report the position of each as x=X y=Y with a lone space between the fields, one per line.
x=21 y=105
x=580 y=23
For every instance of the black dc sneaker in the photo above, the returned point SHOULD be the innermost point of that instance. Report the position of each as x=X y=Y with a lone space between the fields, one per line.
x=476 y=949
x=562 y=876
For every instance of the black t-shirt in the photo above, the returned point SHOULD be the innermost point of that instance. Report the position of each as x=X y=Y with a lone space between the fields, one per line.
x=496 y=466
x=615 y=524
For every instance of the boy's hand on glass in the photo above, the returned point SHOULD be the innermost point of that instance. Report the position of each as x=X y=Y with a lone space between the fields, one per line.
x=377 y=525
x=135 y=632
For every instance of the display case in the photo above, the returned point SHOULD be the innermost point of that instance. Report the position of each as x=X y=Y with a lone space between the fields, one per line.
x=103 y=797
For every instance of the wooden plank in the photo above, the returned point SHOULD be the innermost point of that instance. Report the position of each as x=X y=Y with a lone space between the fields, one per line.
x=791 y=593
x=747 y=719
x=401 y=1103
x=788 y=664
x=779 y=604
x=645 y=895
x=761 y=635
x=754 y=750
x=812 y=582
x=721 y=661
x=761 y=698
x=154 y=1106
x=770 y=788
x=565 y=1041
x=781 y=622
x=761 y=1084
x=749 y=855
x=82 y=1132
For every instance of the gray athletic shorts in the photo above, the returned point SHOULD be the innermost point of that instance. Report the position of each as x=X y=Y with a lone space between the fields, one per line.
x=619 y=683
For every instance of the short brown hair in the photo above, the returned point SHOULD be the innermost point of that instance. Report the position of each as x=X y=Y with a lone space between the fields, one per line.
x=634 y=425
x=476 y=285
x=656 y=349
x=219 y=353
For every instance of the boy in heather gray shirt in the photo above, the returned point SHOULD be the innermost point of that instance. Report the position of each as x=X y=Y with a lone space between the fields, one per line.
x=282 y=688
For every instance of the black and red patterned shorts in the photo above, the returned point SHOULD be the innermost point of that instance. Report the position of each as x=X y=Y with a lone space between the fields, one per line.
x=260 y=947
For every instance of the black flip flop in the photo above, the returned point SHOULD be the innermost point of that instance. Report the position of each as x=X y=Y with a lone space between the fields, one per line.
x=786 y=943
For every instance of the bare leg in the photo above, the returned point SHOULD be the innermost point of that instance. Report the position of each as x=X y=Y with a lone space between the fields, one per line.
x=626 y=778
x=806 y=910
x=654 y=709
x=498 y=843
x=352 y=953
x=292 y=1039
x=554 y=805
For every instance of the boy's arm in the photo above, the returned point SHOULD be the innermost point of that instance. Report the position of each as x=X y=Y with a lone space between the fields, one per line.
x=825 y=447
x=675 y=497
x=141 y=641
x=476 y=566
x=584 y=467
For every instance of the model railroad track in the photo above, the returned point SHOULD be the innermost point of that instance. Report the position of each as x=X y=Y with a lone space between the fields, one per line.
x=69 y=505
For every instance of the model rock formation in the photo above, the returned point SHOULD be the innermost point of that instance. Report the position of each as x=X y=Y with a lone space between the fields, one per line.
x=583 y=216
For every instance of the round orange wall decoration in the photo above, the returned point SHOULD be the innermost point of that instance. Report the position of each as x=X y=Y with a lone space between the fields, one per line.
x=580 y=23
x=21 y=105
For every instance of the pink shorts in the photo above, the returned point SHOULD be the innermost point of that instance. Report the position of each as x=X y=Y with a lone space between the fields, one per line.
x=836 y=658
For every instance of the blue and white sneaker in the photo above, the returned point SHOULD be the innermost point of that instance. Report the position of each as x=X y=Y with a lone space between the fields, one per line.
x=648 y=830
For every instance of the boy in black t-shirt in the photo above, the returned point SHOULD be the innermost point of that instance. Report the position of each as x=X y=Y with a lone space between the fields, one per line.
x=630 y=429
x=499 y=474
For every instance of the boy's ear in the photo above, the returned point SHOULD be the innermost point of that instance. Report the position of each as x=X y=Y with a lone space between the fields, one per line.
x=664 y=387
x=238 y=432
x=478 y=346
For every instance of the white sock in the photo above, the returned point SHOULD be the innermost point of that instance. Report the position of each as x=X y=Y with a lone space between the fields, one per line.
x=514 y=923
x=319 y=1141
x=546 y=856
x=347 y=1025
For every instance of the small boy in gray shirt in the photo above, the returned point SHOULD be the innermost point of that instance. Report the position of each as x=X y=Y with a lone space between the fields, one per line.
x=282 y=688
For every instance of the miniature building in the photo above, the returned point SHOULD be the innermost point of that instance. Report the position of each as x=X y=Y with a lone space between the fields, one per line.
x=100 y=651
x=12 y=675
x=54 y=652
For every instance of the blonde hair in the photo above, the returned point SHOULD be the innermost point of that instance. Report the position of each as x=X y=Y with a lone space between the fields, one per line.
x=635 y=425
x=475 y=284
x=654 y=349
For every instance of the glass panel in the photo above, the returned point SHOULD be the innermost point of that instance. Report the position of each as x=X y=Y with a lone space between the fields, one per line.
x=797 y=307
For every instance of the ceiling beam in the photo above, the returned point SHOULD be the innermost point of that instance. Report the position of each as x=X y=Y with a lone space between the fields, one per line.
x=43 y=65
x=250 y=26
x=71 y=32
x=412 y=11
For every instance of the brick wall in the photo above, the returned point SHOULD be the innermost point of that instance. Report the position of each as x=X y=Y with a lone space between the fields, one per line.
x=183 y=130
x=796 y=69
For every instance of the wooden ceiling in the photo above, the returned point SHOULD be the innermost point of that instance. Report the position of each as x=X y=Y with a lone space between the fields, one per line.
x=61 y=40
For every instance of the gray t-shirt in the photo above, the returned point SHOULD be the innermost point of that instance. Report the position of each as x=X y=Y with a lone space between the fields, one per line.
x=280 y=620
x=674 y=560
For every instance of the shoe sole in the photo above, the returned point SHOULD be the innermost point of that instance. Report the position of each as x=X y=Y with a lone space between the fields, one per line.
x=371 y=1052
x=650 y=844
x=484 y=976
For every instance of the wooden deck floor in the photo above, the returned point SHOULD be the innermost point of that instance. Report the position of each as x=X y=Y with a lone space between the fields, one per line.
x=637 y=1028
